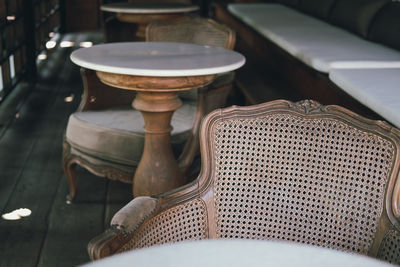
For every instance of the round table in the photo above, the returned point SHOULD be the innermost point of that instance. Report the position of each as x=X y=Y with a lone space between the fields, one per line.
x=235 y=253
x=144 y=13
x=157 y=71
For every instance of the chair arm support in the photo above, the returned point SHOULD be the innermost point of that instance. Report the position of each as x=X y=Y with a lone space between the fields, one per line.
x=124 y=223
x=209 y=98
x=106 y=244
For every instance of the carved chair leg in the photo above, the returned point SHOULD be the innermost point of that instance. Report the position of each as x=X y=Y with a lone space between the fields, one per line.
x=69 y=166
x=70 y=173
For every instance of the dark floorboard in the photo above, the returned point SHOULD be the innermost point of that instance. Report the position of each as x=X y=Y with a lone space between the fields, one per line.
x=31 y=175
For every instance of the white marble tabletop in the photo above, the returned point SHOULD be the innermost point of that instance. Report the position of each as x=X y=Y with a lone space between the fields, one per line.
x=149 y=8
x=235 y=253
x=158 y=59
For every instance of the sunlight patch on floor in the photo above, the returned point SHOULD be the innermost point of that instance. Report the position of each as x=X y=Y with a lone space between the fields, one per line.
x=17 y=214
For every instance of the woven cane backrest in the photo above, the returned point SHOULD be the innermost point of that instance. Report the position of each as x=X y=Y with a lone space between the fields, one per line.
x=299 y=174
x=196 y=30
x=183 y=222
x=390 y=247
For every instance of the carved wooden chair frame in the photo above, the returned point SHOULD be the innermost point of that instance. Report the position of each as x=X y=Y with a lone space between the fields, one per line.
x=97 y=96
x=136 y=224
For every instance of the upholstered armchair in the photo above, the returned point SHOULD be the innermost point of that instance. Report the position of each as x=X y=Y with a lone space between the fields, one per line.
x=106 y=136
x=300 y=172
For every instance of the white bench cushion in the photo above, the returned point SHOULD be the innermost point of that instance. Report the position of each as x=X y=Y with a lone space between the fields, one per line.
x=378 y=89
x=118 y=136
x=314 y=42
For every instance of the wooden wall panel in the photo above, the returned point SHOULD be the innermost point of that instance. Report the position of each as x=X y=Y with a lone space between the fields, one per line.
x=83 y=15
x=2 y=11
x=24 y=30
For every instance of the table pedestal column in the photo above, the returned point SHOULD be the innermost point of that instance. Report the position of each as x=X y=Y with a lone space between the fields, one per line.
x=157 y=99
x=158 y=170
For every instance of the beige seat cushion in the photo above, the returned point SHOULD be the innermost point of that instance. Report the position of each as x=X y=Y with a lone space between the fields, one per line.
x=117 y=135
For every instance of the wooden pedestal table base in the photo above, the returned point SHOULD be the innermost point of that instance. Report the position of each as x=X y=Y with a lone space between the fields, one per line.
x=157 y=71
x=158 y=170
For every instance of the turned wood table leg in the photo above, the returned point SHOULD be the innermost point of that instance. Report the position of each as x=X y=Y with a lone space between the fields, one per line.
x=158 y=170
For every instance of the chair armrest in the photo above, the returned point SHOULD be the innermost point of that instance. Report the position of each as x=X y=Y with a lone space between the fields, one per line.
x=97 y=95
x=132 y=215
x=124 y=222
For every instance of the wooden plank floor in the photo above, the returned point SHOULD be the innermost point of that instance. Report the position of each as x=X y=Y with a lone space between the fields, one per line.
x=31 y=175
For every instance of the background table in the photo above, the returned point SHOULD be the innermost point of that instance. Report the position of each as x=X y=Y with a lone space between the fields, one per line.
x=141 y=14
x=157 y=71
x=232 y=253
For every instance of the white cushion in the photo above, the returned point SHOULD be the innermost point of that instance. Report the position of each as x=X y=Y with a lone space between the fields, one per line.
x=314 y=42
x=117 y=135
x=378 y=89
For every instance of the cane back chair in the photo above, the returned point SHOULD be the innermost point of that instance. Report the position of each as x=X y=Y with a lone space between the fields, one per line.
x=299 y=172
x=106 y=135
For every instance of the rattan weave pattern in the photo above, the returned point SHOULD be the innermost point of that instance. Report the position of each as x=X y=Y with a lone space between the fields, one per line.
x=313 y=180
x=183 y=222
x=195 y=30
x=390 y=247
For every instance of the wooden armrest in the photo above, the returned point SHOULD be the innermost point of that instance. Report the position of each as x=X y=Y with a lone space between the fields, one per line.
x=97 y=95
x=124 y=222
